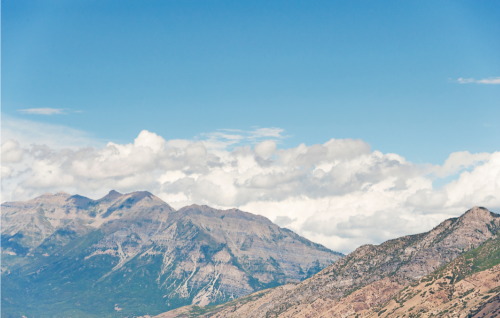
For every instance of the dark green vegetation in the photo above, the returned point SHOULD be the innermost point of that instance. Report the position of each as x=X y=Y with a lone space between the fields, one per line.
x=479 y=259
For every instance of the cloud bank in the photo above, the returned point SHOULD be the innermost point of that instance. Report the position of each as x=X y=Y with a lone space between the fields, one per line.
x=341 y=193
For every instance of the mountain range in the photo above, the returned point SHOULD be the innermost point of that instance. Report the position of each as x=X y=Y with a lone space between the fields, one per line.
x=451 y=271
x=132 y=254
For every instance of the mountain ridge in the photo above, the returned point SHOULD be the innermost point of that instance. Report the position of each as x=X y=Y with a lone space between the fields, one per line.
x=161 y=258
x=366 y=278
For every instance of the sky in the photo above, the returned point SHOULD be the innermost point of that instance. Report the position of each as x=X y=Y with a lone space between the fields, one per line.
x=348 y=122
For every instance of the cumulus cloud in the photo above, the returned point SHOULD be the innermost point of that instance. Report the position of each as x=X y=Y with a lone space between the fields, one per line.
x=265 y=148
x=150 y=140
x=490 y=80
x=340 y=193
x=11 y=152
x=459 y=161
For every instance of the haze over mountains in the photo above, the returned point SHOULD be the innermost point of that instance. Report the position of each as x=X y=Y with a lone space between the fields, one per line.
x=132 y=254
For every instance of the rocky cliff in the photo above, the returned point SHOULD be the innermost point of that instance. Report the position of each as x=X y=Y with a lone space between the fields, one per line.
x=132 y=254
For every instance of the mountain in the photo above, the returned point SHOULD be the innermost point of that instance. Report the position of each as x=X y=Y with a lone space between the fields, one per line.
x=132 y=254
x=363 y=281
x=469 y=286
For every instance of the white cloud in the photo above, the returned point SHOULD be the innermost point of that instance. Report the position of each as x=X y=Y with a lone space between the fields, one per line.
x=265 y=148
x=150 y=140
x=458 y=161
x=490 y=80
x=6 y=172
x=340 y=193
x=11 y=152
x=42 y=111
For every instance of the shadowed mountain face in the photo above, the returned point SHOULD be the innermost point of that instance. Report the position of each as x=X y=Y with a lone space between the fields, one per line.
x=132 y=254
x=362 y=282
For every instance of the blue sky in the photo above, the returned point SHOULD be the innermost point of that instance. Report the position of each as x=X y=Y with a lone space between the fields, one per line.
x=383 y=72
x=409 y=90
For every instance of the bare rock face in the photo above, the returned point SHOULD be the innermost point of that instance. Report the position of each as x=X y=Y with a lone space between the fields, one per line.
x=371 y=275
x=132 y=254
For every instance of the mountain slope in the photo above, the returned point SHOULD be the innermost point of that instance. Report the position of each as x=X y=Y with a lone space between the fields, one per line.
x=25 y=225
x=466 y=287
x=369 y=276
x=133 y=254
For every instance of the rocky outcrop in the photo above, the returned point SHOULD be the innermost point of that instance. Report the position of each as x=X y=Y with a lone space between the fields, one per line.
x=371 y=275
x=134 y=252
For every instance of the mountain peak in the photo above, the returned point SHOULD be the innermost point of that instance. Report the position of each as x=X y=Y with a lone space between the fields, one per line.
x=80 y=202
x=111 y=196
x=139 y=195
x=478 y=213
x=478 y=218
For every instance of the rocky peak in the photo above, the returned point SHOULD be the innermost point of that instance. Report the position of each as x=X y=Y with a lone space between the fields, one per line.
x=468 y=231
x=78 y=201
x=143 y=197
x=135 y=205
x=479 y=214
x=111 y=196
